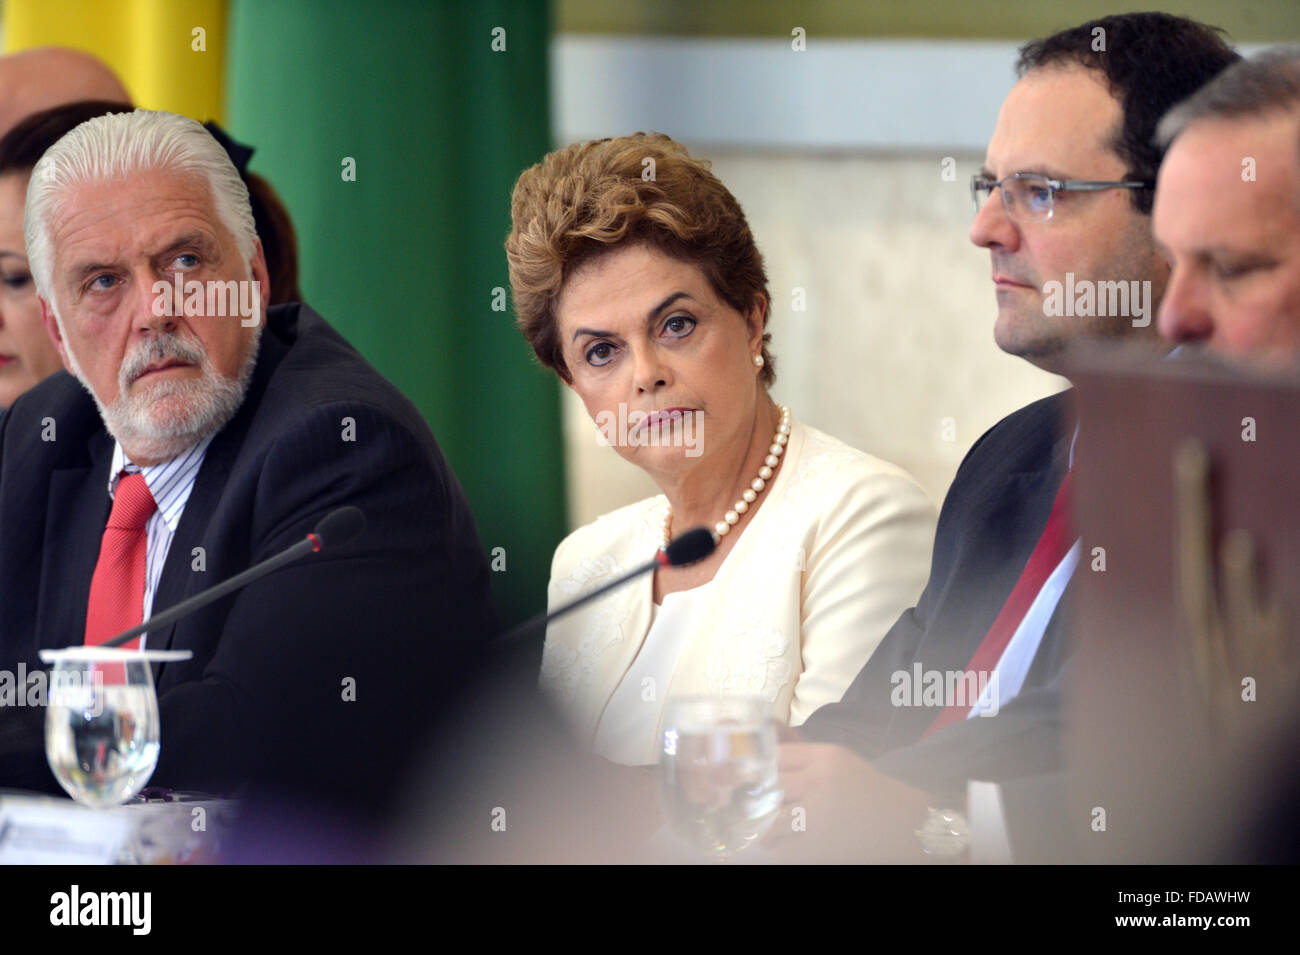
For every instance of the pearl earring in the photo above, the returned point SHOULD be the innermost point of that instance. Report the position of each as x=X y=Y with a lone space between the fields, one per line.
x=758 y=361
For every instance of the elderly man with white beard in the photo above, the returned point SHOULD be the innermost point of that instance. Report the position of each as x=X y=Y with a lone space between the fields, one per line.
x=185 y=446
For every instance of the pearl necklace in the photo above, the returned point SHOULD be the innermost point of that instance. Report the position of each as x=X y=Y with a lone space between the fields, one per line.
x=756 y=486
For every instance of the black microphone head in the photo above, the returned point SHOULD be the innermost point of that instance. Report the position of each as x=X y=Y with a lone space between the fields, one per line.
x=694 y=545
x=340 y=526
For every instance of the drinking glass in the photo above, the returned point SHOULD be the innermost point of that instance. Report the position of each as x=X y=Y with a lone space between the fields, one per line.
x=719 y=787
x=101 y=721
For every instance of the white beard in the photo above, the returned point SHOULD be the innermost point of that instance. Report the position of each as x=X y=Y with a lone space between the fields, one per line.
x=167 y=417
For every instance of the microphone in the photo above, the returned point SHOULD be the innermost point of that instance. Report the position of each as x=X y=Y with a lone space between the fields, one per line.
x=338 y=527
x=694 y=545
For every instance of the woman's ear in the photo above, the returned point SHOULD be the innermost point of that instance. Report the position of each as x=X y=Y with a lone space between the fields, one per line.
x=756 y=320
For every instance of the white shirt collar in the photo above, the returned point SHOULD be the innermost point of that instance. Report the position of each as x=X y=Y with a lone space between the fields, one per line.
x=170 y=482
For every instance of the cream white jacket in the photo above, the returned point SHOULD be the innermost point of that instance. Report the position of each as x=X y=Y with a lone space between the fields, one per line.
x=837 y=551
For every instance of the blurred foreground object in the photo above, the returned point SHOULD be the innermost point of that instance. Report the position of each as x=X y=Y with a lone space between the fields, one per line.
x=1183 y=693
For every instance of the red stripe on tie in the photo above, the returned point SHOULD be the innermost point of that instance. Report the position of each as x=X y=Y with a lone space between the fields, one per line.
x=117 y=587
x=1048 y=553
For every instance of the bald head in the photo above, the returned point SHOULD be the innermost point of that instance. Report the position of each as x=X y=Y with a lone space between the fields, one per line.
x=39 y=79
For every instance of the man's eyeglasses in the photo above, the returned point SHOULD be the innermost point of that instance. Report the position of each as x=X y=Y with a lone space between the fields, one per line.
x=1028 y=196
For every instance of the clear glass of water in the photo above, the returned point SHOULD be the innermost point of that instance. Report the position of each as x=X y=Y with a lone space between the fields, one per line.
x=101 y=724
x=719 y=788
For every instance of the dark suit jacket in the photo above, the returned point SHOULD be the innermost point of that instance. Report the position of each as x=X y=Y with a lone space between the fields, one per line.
x=264 y=699
x=991 y=520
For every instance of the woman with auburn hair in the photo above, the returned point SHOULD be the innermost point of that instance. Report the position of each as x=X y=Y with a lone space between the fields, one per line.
x=637 y=280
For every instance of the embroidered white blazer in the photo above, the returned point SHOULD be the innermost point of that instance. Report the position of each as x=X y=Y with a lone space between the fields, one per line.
x=837 y=551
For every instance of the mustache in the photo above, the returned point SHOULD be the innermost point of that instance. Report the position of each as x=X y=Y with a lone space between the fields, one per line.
x=1002 y=266
x=169 y=347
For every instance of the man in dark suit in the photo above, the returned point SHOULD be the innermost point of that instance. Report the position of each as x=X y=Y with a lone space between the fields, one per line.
x=1073 y=160
x=239 y=436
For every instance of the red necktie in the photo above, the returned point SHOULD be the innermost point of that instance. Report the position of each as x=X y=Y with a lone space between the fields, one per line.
x=117 y=589
x=1051 y=549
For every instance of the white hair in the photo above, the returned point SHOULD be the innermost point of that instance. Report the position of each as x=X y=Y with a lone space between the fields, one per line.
x=118 y=145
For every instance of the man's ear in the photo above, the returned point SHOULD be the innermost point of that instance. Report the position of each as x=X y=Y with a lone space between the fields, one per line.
x=257 y=265
x=52 y=328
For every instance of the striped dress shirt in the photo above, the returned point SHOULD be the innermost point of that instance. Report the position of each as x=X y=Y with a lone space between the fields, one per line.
x=170 y=483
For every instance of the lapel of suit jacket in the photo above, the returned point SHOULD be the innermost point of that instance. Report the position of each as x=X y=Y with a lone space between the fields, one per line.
x=76 y=512
x=630 y=606
x=178 y=579
x=952 y=647
x=1031 y=492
